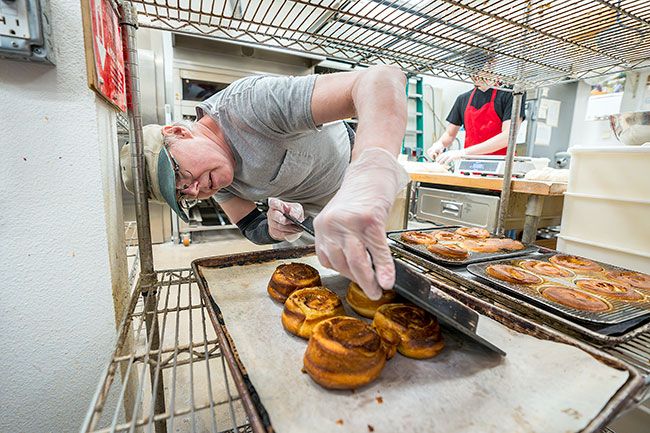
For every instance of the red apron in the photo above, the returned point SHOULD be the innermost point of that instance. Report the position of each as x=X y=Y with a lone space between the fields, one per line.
x=482 y=123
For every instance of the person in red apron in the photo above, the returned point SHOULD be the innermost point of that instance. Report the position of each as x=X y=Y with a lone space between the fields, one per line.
x=485 y=112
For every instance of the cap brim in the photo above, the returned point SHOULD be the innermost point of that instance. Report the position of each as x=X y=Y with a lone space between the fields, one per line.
x=167 y=183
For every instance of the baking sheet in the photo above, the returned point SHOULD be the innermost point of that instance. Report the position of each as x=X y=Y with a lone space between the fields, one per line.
x=474 y=257
x=541 y=386
x=621 y=310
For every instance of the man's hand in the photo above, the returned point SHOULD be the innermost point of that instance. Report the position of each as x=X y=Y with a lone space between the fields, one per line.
x=280 y=228
x=351 y=229
x=450 y=155
x=436 y=149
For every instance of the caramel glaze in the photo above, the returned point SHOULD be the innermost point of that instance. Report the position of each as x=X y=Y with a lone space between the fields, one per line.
x=307 y=307
x=418 y=331
x=290 y=277
x=344 y=353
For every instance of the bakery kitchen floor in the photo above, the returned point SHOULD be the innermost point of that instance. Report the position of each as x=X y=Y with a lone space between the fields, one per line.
x=219 y=242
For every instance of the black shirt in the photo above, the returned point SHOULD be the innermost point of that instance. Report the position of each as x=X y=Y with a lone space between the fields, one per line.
x=502 y=105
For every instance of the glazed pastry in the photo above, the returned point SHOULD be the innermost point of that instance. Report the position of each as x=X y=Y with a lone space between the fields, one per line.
x=512 y=274
x=574 y=299
x=290 y=277
x=547 y=269
x=450 y=251
x=344 y=353
x=510 y=244
x=305 y=308
x=418 y=331
x=473 y=232
x=445 y=236
x=611 y=290
x=634 y=279
x=418 y=238
x=575 y=263
x=482 y=245
x=363 y=305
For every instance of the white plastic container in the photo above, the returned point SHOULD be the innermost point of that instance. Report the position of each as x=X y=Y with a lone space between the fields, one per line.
x=616 y=172
x=606 y=213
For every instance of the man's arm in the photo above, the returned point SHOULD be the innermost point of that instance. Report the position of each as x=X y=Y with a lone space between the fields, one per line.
x=449 y=135
x=351 y=229
x=376 y=96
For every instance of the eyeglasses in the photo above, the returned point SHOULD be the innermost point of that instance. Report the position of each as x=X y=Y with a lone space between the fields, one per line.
x=183 y=178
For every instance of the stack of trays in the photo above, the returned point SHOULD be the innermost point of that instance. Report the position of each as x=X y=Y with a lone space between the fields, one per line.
x=595 y=293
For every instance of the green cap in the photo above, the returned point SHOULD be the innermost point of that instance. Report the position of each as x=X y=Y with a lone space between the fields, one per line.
x=159 y=170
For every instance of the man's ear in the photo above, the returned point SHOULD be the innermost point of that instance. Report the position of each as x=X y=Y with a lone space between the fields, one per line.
x=177 y=130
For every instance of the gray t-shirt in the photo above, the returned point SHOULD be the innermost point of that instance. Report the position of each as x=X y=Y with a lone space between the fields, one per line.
x=278 y=150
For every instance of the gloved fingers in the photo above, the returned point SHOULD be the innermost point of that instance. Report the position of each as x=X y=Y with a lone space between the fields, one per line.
x=338 y=261
x=382 y=260
x=282 y=207
x=293 y=237
x=277 y=217
x=286 y=230
x=361 y=269
x=321 y=253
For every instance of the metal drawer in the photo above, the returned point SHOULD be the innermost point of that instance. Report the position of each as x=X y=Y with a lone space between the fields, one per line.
x=453 y=208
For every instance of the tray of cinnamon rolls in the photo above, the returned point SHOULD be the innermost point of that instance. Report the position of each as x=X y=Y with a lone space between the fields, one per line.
x=309 y=351
x=459 y=246
x=578 y=287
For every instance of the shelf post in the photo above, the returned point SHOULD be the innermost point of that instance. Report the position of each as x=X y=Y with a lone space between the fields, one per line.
x=510 y=156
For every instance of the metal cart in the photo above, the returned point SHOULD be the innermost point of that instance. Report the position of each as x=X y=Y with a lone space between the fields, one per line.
x=530 y=43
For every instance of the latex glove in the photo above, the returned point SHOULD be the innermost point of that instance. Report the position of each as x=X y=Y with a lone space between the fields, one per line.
x=436 y=149
x=351 y=229
x=450 y=155
x=280 y=228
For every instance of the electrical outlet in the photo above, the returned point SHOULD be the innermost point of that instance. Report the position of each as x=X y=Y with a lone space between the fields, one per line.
x=13 y=19
x=25 y=30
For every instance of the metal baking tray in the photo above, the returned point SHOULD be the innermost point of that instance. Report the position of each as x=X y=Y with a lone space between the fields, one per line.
x=464 y=285
x=473 y=257
x=621 y=310
x=466 y=377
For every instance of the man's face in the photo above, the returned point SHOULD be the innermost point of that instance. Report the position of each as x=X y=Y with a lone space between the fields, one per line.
x=204 y=167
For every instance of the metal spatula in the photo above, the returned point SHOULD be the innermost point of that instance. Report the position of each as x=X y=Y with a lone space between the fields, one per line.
x=449 y=311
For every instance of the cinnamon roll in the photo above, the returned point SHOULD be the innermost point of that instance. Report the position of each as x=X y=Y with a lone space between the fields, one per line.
x=344 y=353
x=305 y=308
x=445 y=236
x=575 y=263
x=631 y=278
x=450 y=251
x=510 y=244
x=512 y=274
x=363 y=305
x=290 y=277
x=418 y=331
x=481 y=245
x=547 y=269
x=418 y=238
x=610 y=290
x=473 y=232
x=574 y=299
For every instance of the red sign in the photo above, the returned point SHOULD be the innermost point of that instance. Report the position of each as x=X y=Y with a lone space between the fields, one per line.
x=108 y=58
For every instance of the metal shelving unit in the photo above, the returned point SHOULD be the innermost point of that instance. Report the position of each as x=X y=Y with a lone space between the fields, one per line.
x=533 y=42
x=181 y=349
x=164 y=376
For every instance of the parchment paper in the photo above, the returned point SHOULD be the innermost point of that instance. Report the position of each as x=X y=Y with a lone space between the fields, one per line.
x=540 y=386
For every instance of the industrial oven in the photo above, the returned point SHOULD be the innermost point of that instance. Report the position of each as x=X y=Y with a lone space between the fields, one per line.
x=199 y=378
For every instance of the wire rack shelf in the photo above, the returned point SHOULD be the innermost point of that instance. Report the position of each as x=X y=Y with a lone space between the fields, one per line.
x=197 y=390
x=522 y=42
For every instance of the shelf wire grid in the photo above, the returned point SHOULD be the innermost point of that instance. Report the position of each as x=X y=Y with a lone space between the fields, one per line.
x=522 y=42
x=199 y=395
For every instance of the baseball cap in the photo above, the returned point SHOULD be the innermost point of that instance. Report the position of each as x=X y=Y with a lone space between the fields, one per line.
x=158 y=169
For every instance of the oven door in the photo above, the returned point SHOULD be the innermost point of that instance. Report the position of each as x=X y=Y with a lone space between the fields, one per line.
x=457 y=208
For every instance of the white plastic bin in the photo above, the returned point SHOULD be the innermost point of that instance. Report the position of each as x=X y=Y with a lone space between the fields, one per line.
x=616 y=172
x=606 y=213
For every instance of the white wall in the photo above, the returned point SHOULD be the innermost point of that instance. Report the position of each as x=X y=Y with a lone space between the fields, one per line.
x=588 y=133
x=449 y=91
x=58 y=185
